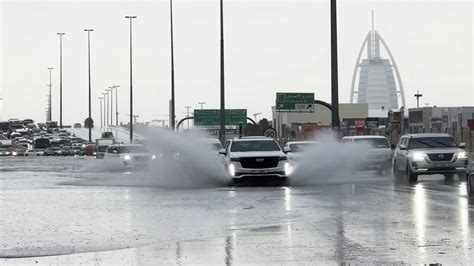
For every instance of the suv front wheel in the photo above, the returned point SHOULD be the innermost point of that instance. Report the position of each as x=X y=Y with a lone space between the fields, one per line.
x=411 y=177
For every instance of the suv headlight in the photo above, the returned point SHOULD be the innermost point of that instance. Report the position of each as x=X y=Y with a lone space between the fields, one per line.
x=283 y=158
x=418 y=156
x=462 y=155
x=127 y=157
x=231 y=169
x=153 y=157
x=288 y=168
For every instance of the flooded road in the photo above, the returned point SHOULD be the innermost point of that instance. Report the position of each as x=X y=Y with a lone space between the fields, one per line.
x=58 y=210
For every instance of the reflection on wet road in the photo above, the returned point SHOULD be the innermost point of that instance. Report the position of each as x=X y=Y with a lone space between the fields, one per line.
x=378 y=220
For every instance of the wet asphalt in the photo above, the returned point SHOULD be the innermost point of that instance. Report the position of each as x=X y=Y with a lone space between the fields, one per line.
x=58 y=211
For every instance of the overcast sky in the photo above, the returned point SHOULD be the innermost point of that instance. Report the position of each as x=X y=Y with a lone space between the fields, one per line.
x=271 y=46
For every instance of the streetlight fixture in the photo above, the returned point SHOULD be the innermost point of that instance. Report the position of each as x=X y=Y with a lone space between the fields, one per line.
x=89 y=67
x=131 y=80
x=61 y=78
x=101 y=122
x=50 y=115
x=201 y=103
x=172 y=107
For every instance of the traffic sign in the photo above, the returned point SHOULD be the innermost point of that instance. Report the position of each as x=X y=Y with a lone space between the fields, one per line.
x=270 y=133
x=211 y=117
x=294 y=101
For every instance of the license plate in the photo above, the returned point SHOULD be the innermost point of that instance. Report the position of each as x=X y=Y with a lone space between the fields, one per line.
x=259 y=171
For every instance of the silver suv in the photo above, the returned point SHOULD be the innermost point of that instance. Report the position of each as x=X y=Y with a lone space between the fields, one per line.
x=428 y=154
x=255 y=157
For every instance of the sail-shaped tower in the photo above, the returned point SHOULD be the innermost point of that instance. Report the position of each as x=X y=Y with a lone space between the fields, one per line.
x=376 y=85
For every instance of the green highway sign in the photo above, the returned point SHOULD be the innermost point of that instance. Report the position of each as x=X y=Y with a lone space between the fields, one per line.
x=294 y=101
x=211 y=117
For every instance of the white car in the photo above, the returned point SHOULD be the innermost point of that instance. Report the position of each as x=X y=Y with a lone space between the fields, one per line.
x=34 y=153
x=376 y=151
x=295 y=149
x=255 y=157
x=129 y=155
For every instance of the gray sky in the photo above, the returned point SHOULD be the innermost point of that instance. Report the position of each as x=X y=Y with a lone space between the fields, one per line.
x=271 y=46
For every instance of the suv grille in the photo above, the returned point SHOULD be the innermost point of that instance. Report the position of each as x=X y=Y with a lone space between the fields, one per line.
x=440 y=157
x=259 y=162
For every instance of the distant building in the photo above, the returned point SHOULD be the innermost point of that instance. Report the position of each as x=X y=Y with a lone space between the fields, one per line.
x=376 y=84
x=439 y=118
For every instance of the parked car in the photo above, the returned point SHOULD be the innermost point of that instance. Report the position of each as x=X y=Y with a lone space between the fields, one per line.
x=34 y=153
x=376 y=151
x=428 y=154
x=255 y=157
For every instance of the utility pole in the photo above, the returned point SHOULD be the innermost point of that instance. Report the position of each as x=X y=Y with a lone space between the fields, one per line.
x=201 y=103
x=116 y=105
x=111 y=104
x=418 y=96
x=61 y=79
x=105 y=108
x=334 y=69
x=187 y=108
x=109 y=99
x=50 y=115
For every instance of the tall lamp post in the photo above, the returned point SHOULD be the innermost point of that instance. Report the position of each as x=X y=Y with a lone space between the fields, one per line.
x=187 y=115
x=111 y=104
x=172 y=107
x=131 y=80
x=105 y=108
x=89 y=67
x=60 y=79
x=334 y=68
x=222 y=115
x=101 y=122
x=116 y=105
x=50 y=115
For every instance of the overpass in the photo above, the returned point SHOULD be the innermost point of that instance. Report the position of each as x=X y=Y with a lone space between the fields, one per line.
x=121 y=135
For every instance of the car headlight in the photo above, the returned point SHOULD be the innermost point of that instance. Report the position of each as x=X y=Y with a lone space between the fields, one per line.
x=14 y=153
x=462 y=155
x=127 y=157
x=153 y=157
x=288 y=168
x=231 y=170
x=418 y=156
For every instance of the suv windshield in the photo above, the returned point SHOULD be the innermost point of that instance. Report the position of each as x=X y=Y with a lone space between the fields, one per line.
x=374 y=143
x=132 y=149
x=254 y=145
x=433 y=142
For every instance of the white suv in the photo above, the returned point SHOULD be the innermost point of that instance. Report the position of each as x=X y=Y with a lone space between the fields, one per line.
x=428 y=154
x=255 y=157
x=130 y=155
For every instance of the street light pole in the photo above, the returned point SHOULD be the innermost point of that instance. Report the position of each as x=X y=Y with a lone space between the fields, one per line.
x=222 y=115
x=101 y=122
x=187 y=108
x=105 y=107
x=89 y=67
x=61 y=79
x=201 y=103
x=50 y=115
x=418 y=96
x=131 y=80
x=334 y=68
x=173 y=114
x=116 y=105
x=111 y=105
